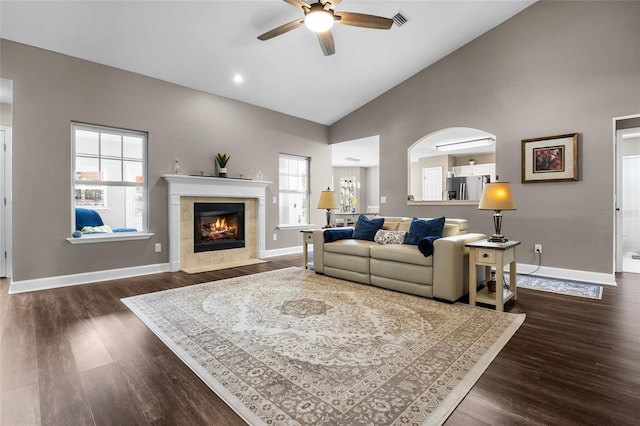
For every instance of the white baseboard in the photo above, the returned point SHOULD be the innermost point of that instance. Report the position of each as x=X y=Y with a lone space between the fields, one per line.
x=567 y=274
x=47 y=283
x=114 y=274
x=85 y=278
x=285 y=251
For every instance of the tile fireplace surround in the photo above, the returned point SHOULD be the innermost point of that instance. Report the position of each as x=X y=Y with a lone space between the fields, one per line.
x=189 y=188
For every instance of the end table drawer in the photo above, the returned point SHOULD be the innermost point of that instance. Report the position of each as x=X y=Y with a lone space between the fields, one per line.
x=485 y=255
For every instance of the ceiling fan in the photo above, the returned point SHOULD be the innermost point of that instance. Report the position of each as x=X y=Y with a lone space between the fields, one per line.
x=320 y=17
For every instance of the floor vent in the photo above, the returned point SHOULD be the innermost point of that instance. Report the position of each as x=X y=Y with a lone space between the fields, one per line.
x=399 y=20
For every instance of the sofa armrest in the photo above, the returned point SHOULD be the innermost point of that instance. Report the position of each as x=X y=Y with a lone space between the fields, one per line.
x=318 y=250
x=318 y=239
x=451 y=266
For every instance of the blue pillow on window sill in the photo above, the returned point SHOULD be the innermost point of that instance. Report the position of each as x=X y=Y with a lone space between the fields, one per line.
x=125 y=230
x=87 y=217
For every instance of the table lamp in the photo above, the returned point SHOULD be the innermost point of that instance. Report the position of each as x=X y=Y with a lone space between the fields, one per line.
x=328 y=200
x=497 y=196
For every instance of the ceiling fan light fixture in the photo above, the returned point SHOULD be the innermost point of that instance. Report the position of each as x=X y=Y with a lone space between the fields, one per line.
x=318 y=20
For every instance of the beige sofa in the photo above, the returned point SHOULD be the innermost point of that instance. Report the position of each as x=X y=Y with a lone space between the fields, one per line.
x=401 y=267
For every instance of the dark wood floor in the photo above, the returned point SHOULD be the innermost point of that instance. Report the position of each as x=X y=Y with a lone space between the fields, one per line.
x=77 y=355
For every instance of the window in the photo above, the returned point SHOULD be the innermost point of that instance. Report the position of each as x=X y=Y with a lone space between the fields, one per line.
x=294 y=190
x=109 y=170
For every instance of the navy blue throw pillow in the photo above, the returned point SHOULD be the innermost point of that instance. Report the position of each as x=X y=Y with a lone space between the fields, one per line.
x=331 y=235
x=424 y=228
x=425 y=245
x=366 y=228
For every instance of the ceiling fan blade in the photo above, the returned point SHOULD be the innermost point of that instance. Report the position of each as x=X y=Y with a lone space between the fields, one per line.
x=281 y=29
x=364 y=20
x=326 y=43
x=332 y=3
x=299 y=3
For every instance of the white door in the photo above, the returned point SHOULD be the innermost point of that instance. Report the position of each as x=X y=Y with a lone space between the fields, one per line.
x=628 y=200
x=432 y=183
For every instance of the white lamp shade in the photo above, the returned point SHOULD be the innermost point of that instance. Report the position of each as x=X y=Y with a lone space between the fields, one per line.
x=497 y=196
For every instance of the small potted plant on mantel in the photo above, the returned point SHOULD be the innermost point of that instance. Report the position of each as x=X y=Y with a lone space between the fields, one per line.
x=472 y=161
x=222 y=160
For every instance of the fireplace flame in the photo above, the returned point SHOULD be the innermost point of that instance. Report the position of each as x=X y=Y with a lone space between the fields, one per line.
x=219 y=229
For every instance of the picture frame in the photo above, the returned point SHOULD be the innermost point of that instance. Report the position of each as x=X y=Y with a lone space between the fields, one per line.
x=550 y=159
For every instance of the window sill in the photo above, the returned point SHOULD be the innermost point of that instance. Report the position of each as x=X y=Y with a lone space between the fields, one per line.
x=295 y=227
x=106 y=238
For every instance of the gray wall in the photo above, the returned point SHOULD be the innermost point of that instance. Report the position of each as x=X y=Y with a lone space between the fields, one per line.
x=555 y=68
x=50 y=90
x=5 y=115
x=373 y=186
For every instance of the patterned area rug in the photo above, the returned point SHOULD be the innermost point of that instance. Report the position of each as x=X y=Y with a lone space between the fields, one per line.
x=291 y=347
x=569 y=288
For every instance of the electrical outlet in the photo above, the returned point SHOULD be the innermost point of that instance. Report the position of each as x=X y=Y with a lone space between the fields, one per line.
x=538 y=248
x=275 y=237
x=274 y=200
x=158 y=247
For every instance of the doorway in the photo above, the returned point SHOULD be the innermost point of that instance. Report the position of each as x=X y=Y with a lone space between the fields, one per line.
x=627 y=206
x=6 y=102
x=5 y=199
x=356 y=174
x=432 y=183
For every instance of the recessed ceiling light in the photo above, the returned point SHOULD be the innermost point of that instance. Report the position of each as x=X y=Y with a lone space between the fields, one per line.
x=238 y=78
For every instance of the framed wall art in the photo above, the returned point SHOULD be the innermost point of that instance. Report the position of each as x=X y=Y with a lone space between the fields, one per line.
x=550 y=159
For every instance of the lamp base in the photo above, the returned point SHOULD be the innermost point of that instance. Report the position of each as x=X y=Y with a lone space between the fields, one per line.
x=328 y=219
x=497 y=239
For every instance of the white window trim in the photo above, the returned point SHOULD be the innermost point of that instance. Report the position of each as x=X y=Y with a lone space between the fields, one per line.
x=286 y=226
x=125 y=236
x=110 y=237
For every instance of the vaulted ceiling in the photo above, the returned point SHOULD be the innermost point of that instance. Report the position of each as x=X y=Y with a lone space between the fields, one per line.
x=203 y=44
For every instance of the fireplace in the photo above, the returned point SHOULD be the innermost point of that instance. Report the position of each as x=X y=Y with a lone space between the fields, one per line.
x=218 y=226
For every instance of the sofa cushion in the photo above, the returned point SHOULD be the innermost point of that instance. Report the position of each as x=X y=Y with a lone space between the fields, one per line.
x=366 y=228
x=390 y=224
x=389 y=237
x=385 y=270
x=350 y=247
x=401 y=253
x=424 y=228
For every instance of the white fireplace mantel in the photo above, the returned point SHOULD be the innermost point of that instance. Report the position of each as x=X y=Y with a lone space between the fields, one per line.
x=200 y=186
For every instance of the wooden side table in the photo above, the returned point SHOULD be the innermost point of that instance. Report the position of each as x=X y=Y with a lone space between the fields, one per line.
x=488 y=254
x=307 y=238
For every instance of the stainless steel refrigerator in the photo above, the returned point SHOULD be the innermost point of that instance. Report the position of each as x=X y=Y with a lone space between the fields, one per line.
x=466 y=188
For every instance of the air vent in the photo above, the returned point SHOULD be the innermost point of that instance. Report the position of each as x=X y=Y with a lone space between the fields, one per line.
x=355 y=160
x=399 y=20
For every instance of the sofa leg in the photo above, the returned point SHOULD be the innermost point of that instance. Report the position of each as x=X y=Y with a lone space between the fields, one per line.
x=445 y=301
